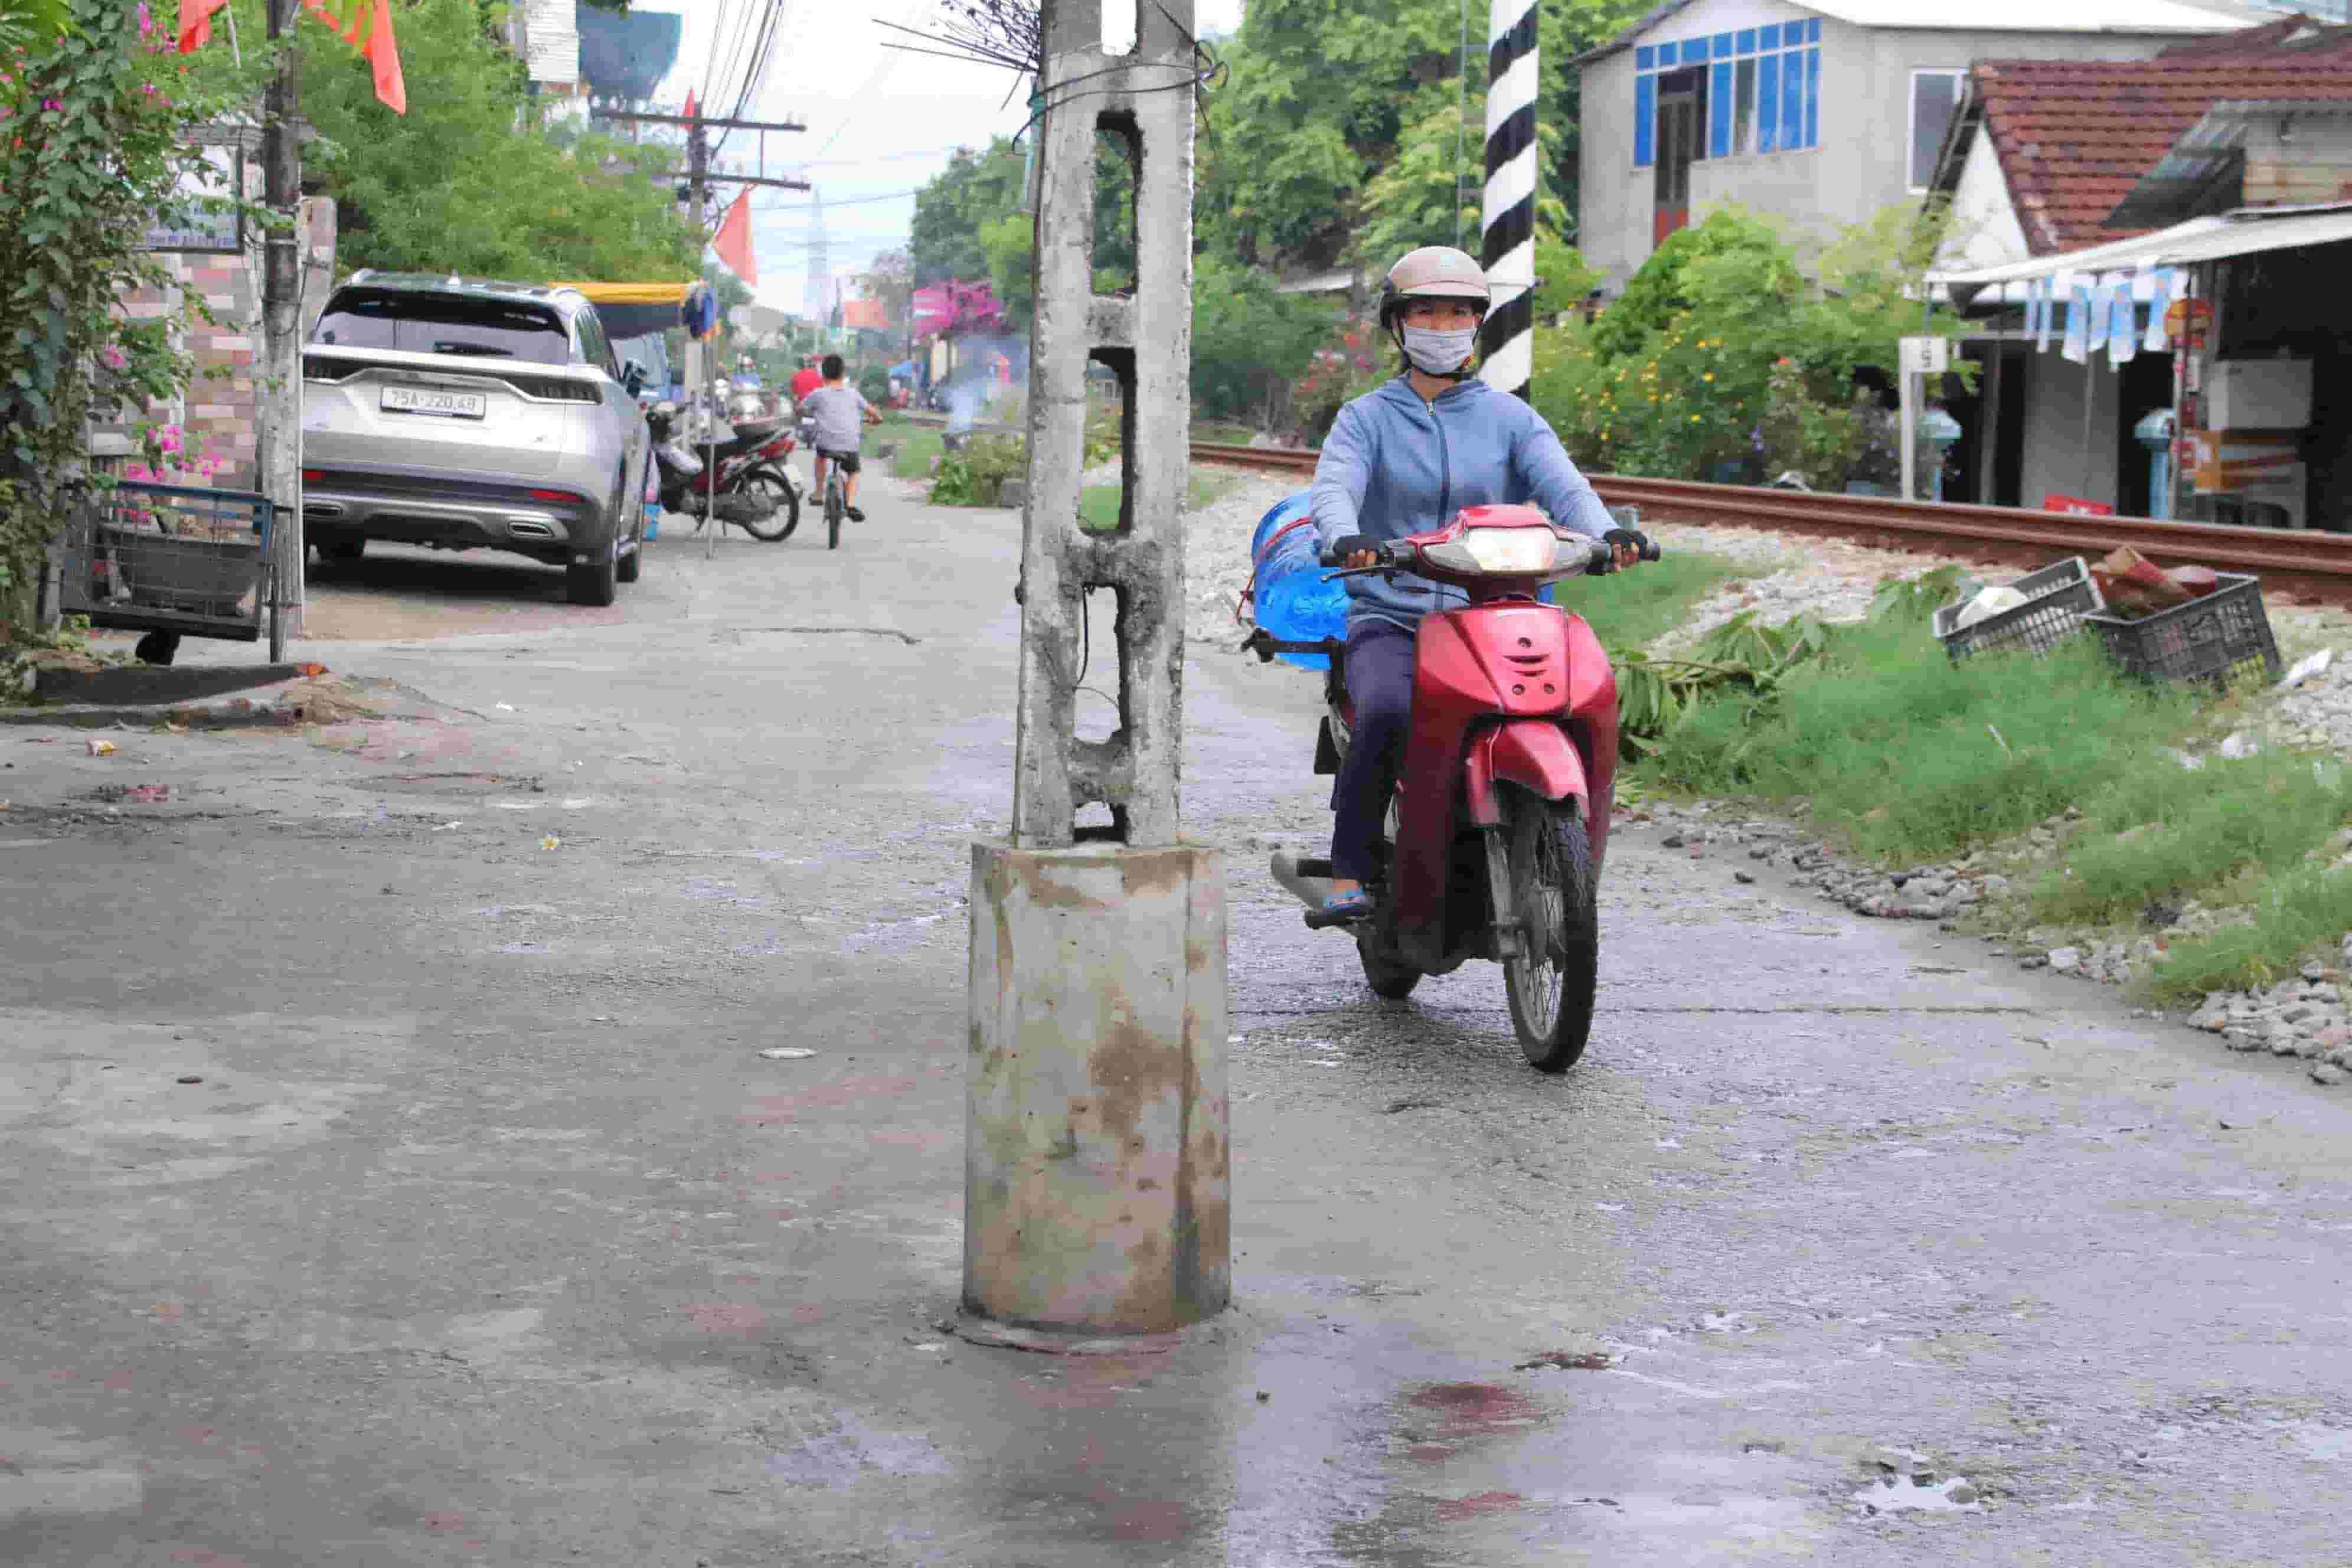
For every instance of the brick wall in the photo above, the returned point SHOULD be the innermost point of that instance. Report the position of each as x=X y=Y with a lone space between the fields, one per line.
x=2310 y=163
x=220 y=408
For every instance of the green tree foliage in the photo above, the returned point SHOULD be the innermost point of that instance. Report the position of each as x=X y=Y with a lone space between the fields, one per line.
x=1324 y=95
x=94 y=118
x=973 y=222
x=1726 y=351
x=975 y=190
x=1249 y=343
x=455 y=185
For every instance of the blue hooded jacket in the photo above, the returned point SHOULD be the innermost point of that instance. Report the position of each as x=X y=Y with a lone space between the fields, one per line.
x=1394 y=465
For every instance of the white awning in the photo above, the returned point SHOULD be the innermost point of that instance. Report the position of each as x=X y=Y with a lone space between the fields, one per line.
x=2241 y=233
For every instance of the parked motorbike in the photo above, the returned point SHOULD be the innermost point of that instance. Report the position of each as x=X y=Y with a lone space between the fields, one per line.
x=756 y=490
x=1495 y=835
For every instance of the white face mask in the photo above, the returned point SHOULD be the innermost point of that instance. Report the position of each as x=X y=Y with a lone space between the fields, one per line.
x=1437 y=352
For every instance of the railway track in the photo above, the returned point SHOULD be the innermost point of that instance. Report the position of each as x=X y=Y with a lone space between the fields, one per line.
x=2289 y=560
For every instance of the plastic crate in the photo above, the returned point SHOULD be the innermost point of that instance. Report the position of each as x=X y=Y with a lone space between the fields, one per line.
x=2218 y=637
x=2057 y=598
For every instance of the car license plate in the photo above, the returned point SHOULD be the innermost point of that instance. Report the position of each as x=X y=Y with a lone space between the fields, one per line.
x=423 y=400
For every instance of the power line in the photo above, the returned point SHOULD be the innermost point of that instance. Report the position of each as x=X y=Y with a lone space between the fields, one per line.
x=851 y=202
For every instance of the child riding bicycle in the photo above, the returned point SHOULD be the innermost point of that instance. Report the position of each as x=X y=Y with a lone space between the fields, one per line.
x=837 y=406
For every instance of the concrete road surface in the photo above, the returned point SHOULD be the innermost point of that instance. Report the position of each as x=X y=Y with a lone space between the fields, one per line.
x=390 y=1175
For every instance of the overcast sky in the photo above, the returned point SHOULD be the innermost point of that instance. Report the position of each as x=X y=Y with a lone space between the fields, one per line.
x=881 y=121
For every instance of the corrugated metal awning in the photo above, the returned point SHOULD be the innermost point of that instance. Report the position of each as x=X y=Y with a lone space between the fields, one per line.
x=2243 y=233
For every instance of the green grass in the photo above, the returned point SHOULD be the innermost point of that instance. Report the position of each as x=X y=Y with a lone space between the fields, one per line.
x=1906 y=759
x=1633 y=609
x=1098 y=504
x=2293 y=914
x=917 y=445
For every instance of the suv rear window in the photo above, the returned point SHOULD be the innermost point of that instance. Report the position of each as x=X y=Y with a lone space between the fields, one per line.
x=444 y=324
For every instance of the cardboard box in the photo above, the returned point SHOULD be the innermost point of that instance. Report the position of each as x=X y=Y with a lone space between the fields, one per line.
x=2258 y=394
x=2227 y=460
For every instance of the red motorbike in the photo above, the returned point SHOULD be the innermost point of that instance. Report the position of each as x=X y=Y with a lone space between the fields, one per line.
x=757 y=490
x=1501 y=814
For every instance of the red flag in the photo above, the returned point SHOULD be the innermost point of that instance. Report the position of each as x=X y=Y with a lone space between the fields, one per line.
x=689 y=103
x=733 y=241
x=382 y=51
x=197 y=23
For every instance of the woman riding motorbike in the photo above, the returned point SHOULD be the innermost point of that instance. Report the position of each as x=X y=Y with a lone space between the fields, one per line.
x=1404 y=459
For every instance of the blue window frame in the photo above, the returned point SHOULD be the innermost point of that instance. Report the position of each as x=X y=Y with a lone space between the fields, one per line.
x=1792 y=101
x=1761 y=86
x=1814 y=92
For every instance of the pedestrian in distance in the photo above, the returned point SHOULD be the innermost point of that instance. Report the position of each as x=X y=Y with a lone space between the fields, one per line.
x=806 y=379
x=840 y=411
x=1402 y=458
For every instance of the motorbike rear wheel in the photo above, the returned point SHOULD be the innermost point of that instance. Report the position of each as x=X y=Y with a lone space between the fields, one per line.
x=1390 y=977
x=785 y=518
x=1552 y=983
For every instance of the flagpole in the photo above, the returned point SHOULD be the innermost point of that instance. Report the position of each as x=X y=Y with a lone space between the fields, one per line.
x=277 y=453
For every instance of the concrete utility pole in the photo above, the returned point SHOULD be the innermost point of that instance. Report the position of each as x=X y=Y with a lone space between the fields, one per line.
x=1096 y=1195
x=278 y=434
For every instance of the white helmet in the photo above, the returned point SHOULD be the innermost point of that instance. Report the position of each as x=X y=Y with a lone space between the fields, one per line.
x=1432 y=272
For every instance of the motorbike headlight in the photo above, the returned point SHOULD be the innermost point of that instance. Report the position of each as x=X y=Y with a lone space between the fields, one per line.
x=1510 y=551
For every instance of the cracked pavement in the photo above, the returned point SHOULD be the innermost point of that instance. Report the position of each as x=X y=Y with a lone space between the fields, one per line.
x=483 y=1235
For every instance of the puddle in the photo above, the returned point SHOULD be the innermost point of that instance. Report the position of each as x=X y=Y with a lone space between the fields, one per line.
x=525 y=947
x=1902 y=1494
x=2331 y=1444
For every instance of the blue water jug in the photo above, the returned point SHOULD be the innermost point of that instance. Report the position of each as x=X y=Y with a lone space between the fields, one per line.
x=1292 y=601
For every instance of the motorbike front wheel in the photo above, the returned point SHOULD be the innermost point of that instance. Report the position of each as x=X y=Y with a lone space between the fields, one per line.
x=1551 y=982
x=785 y=518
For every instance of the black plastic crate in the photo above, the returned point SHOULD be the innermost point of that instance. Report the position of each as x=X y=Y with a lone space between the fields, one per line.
x=2219 y=638
x=2057 y=598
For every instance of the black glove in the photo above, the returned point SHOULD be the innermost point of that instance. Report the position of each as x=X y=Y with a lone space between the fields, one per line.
x=1350 y=544
x=1635 y=537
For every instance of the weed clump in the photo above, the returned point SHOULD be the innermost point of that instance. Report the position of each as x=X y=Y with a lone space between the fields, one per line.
x=1906 y=758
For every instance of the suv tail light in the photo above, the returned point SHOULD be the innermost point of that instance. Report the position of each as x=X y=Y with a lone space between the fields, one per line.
x=563 y=496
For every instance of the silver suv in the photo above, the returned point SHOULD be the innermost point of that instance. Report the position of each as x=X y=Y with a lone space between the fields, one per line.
x=463 y=414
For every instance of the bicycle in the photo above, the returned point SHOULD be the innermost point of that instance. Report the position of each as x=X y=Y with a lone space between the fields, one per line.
x=837 y=503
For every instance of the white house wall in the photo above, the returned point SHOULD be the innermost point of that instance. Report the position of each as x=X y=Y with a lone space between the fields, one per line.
x=1862 y=165
x=1984 y=230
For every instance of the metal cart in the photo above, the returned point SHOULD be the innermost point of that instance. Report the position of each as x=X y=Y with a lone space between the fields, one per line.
x=172 y=558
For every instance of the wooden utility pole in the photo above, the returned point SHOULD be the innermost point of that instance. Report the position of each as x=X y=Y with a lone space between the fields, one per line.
x=278 y=436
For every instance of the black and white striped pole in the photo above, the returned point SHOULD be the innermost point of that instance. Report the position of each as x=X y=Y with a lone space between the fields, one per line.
x=1508 y=254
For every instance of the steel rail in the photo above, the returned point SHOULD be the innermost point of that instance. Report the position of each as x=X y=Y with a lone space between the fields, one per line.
x=2288 y=560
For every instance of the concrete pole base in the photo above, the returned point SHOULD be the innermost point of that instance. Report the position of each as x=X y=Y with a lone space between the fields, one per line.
x=1096 y=1150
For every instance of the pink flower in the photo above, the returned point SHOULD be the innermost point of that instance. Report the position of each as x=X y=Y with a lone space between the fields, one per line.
x=52 y=103
x=112 y=358
x=139 y=471
x=169 y=439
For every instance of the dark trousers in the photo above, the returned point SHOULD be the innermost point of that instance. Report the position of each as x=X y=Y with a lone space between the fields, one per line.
x=1379 y=672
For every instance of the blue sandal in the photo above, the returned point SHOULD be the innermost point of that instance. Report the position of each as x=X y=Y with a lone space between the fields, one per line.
x=1355 y=906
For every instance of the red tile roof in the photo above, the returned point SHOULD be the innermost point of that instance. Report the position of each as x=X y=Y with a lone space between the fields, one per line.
x=2074 y=136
